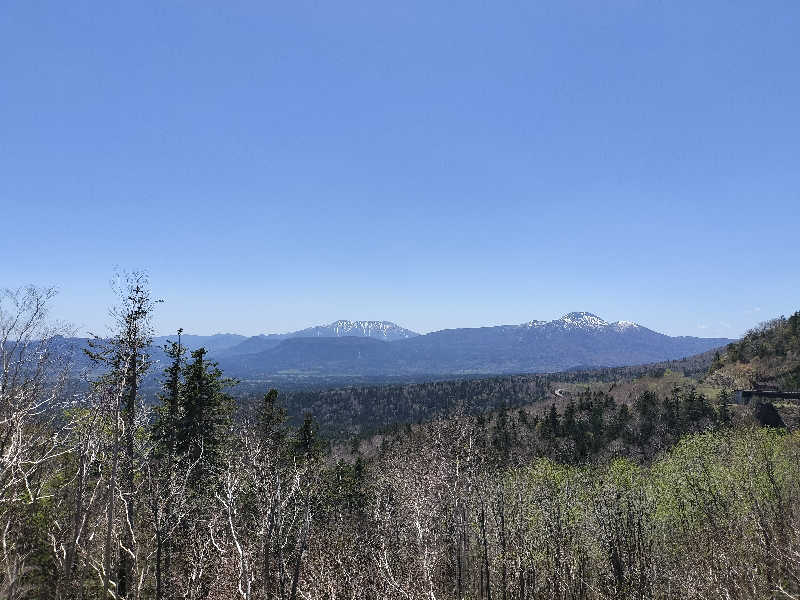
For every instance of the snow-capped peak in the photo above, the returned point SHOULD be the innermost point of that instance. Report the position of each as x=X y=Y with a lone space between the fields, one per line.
x=581 y=320
x=385 y=330
x=585 y=321
x=624 y=325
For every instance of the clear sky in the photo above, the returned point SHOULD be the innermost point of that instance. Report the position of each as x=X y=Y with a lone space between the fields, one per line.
x=437 y=164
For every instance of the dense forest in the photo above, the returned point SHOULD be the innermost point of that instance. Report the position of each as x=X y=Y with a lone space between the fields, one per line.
x=360 y=410
x=202 y=496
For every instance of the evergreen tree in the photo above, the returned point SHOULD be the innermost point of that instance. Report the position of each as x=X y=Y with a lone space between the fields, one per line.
x=671 y=408
x=551 y=425
x=621 y=425
x=271 y=420
x=165 y=462
x=646 y=405
x=307 y=445
x=168 y=411
x=569 y=423
x=597 y=425
x=205 y=417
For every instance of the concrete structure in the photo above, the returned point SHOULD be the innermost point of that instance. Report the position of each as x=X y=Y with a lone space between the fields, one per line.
x=744 y=396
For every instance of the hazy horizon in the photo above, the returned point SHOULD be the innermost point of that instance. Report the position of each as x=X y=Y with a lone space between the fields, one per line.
x=83 y=330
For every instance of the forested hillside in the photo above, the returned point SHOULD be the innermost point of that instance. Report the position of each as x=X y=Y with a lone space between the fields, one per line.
x=344 y=411
x=768 y=355
x=203 y=496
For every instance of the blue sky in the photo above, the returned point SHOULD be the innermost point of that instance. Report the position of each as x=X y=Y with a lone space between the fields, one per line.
x=277 y=165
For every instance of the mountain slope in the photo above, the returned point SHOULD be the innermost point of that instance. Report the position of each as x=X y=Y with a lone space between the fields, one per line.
x=768 y=355
x=380 y=330
x=577 y=339
x=313 y=356
x=219 y=342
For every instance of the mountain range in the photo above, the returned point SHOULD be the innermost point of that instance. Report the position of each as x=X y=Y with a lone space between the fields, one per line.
x=234 y=345
x=374 y=348
x=578 y=340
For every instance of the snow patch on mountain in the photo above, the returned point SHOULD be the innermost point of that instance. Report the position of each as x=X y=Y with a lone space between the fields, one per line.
x=580 y=320
x=625 y=325
x=384 y=330
x=534 y=323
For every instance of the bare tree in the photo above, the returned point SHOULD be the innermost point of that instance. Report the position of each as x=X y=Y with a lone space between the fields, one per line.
x=125 y=356
x=32 y=433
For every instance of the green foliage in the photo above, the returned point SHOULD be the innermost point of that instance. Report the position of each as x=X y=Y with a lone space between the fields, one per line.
x=774 y=346
x=551 y=425
x=371 y=409
x=344 y=487
x=718 y=478
x=717 y=362
x=308 y=446
x=204 y=422
x=593 y=426
x=716 y=504
x=169 y=409
x=658 y=497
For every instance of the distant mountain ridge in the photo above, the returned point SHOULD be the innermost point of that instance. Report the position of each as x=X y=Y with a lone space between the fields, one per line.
x=380 y=330
x=216 y=343
x=578 y=339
